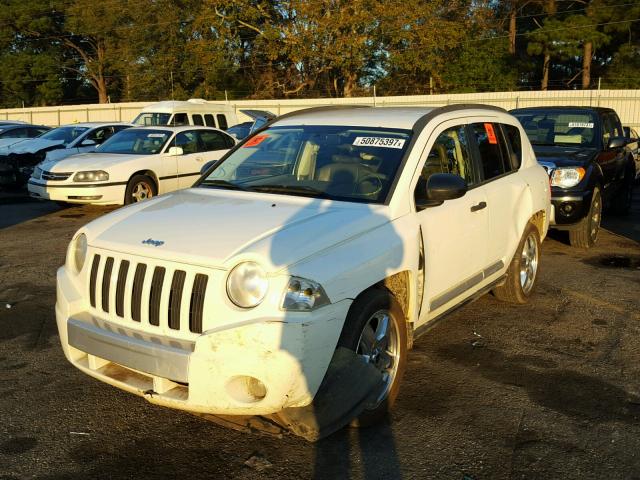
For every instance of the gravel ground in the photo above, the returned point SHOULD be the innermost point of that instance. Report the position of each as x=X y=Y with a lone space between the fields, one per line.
x=546 y=390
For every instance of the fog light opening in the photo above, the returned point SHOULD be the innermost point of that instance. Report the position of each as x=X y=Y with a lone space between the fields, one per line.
x=566 y=208
x=246 y=389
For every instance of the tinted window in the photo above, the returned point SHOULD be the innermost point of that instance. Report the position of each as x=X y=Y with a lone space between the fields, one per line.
x=450 y=154
x=222 y=121
x=212 y=141
x=491 y=148
x=197 y=119
x=180 y=119
x=208 y=120
x=514 y=141
x=17 y=133
x=188 y=141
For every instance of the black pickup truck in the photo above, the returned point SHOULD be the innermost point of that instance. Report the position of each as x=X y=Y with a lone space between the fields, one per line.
x=585 y=153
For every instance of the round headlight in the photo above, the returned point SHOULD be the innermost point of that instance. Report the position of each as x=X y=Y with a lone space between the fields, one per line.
x=247 y=284
x=79 y=252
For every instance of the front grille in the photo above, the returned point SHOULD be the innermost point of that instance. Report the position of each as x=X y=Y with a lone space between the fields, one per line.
x=55 y=176
x=152 y=295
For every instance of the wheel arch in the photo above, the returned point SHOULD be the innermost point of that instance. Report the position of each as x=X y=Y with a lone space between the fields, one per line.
x=149 y=173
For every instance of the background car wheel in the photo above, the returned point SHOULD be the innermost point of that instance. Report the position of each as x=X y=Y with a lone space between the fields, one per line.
x=585 y=234
x=376 y=329
x=139 y=188
x=522 y=273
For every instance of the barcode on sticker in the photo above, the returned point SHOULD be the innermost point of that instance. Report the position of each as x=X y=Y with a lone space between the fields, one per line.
x=385 y=142
x=580 y=124
x=156 y=135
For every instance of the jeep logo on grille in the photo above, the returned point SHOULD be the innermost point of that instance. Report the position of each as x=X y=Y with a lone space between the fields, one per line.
x=151 y=241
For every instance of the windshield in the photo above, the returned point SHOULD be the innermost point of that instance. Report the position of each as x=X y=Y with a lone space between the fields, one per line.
x=150 y=119
x=137 y=141
x=66 y=134
x=338 y=162
x=559 y=127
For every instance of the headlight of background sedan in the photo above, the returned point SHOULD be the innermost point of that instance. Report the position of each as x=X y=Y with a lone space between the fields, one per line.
x=304 y=295
x=247 y=284
x=78 y=252
x=91 y=176
x=567 y=177
x=37 y=173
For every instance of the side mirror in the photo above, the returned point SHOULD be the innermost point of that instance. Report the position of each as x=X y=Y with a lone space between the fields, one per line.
x=175 y=151
x=617 y=142
x=87 y=142
x=441 y=187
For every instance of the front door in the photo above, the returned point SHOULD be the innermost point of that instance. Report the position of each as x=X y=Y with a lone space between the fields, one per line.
x=455 y=233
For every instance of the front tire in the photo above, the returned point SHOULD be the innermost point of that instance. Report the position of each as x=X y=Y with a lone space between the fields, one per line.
x=585 y=234
x=522 y=273
x=376 y=329
x=139 y=188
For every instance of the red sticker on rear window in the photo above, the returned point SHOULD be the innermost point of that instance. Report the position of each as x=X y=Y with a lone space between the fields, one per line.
x=257 y=140
x=491 y=135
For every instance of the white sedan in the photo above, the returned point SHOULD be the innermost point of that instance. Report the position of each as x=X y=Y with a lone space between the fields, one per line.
x=133 y=165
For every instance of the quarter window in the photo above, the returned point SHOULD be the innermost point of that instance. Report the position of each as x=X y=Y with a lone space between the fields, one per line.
x=491 y=149
x=513 y=139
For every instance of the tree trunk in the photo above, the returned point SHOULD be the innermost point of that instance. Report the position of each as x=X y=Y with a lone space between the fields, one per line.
x=545 y=70
x=350 y=81
x=512 y=29
x=101 y=87
x=586 y=65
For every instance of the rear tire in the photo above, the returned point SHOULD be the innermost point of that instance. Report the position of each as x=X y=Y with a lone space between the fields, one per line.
x=139 y=188
x=522 y=273
x=376 y=329
x=585 y=234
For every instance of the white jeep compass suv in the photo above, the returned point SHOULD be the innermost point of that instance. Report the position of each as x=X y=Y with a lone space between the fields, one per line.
x=289 y=283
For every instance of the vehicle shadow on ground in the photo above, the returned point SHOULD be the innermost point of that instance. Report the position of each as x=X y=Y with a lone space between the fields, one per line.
x=17 y=207
x=626 y=225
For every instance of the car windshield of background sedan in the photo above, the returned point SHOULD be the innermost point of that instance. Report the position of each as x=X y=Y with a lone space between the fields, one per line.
x=149 y=119
x=338 y=162
x=66 y=134
x=135 y=141
x=559 y=127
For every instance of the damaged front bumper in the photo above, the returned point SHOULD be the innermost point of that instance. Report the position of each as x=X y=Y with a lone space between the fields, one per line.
x=256 y=368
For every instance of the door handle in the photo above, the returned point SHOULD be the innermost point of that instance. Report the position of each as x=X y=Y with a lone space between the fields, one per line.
x=479 y=206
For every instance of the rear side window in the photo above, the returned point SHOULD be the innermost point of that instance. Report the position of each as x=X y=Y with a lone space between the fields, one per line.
x=180 y=119
x=222 y=121
x=513 y=138
x=208 y=120
x=492 y=149
x=197 y=119
x=212 y=141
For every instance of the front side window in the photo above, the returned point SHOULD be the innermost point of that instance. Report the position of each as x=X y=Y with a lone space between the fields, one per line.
x=66 y=134
x=338 y=162
x=136 y=141
x=188 y=141
x=152 y=119
x=450 y=154
x=491 y=148
x=99 y=135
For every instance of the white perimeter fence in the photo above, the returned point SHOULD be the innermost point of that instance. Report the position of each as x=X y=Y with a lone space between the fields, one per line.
x=625 y=102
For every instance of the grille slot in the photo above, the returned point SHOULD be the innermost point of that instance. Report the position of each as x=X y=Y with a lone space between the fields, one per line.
x=55 y=176
x=122 y=279
x=106 y=280
x=136 y=294
x=196 y=305
x=93 y=280
x=175 y=298
x=155 y=295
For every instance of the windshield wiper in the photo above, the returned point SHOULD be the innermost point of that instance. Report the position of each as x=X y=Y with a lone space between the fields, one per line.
x=296 y=189
x=224 y=184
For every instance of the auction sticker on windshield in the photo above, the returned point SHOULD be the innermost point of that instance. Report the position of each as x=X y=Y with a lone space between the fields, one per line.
x=385 y=142
x=580 y=125
x=257 y=140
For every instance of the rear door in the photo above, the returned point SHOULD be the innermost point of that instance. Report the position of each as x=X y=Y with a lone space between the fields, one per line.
x=498 y=148
x=454 y=234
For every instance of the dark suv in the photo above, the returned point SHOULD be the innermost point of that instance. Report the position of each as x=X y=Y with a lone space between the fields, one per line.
x=584 y=150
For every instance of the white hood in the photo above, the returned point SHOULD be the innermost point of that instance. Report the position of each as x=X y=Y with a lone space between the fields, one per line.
x=7 y=142
x=214 y=227
x=92 y=161
x=33 y=145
